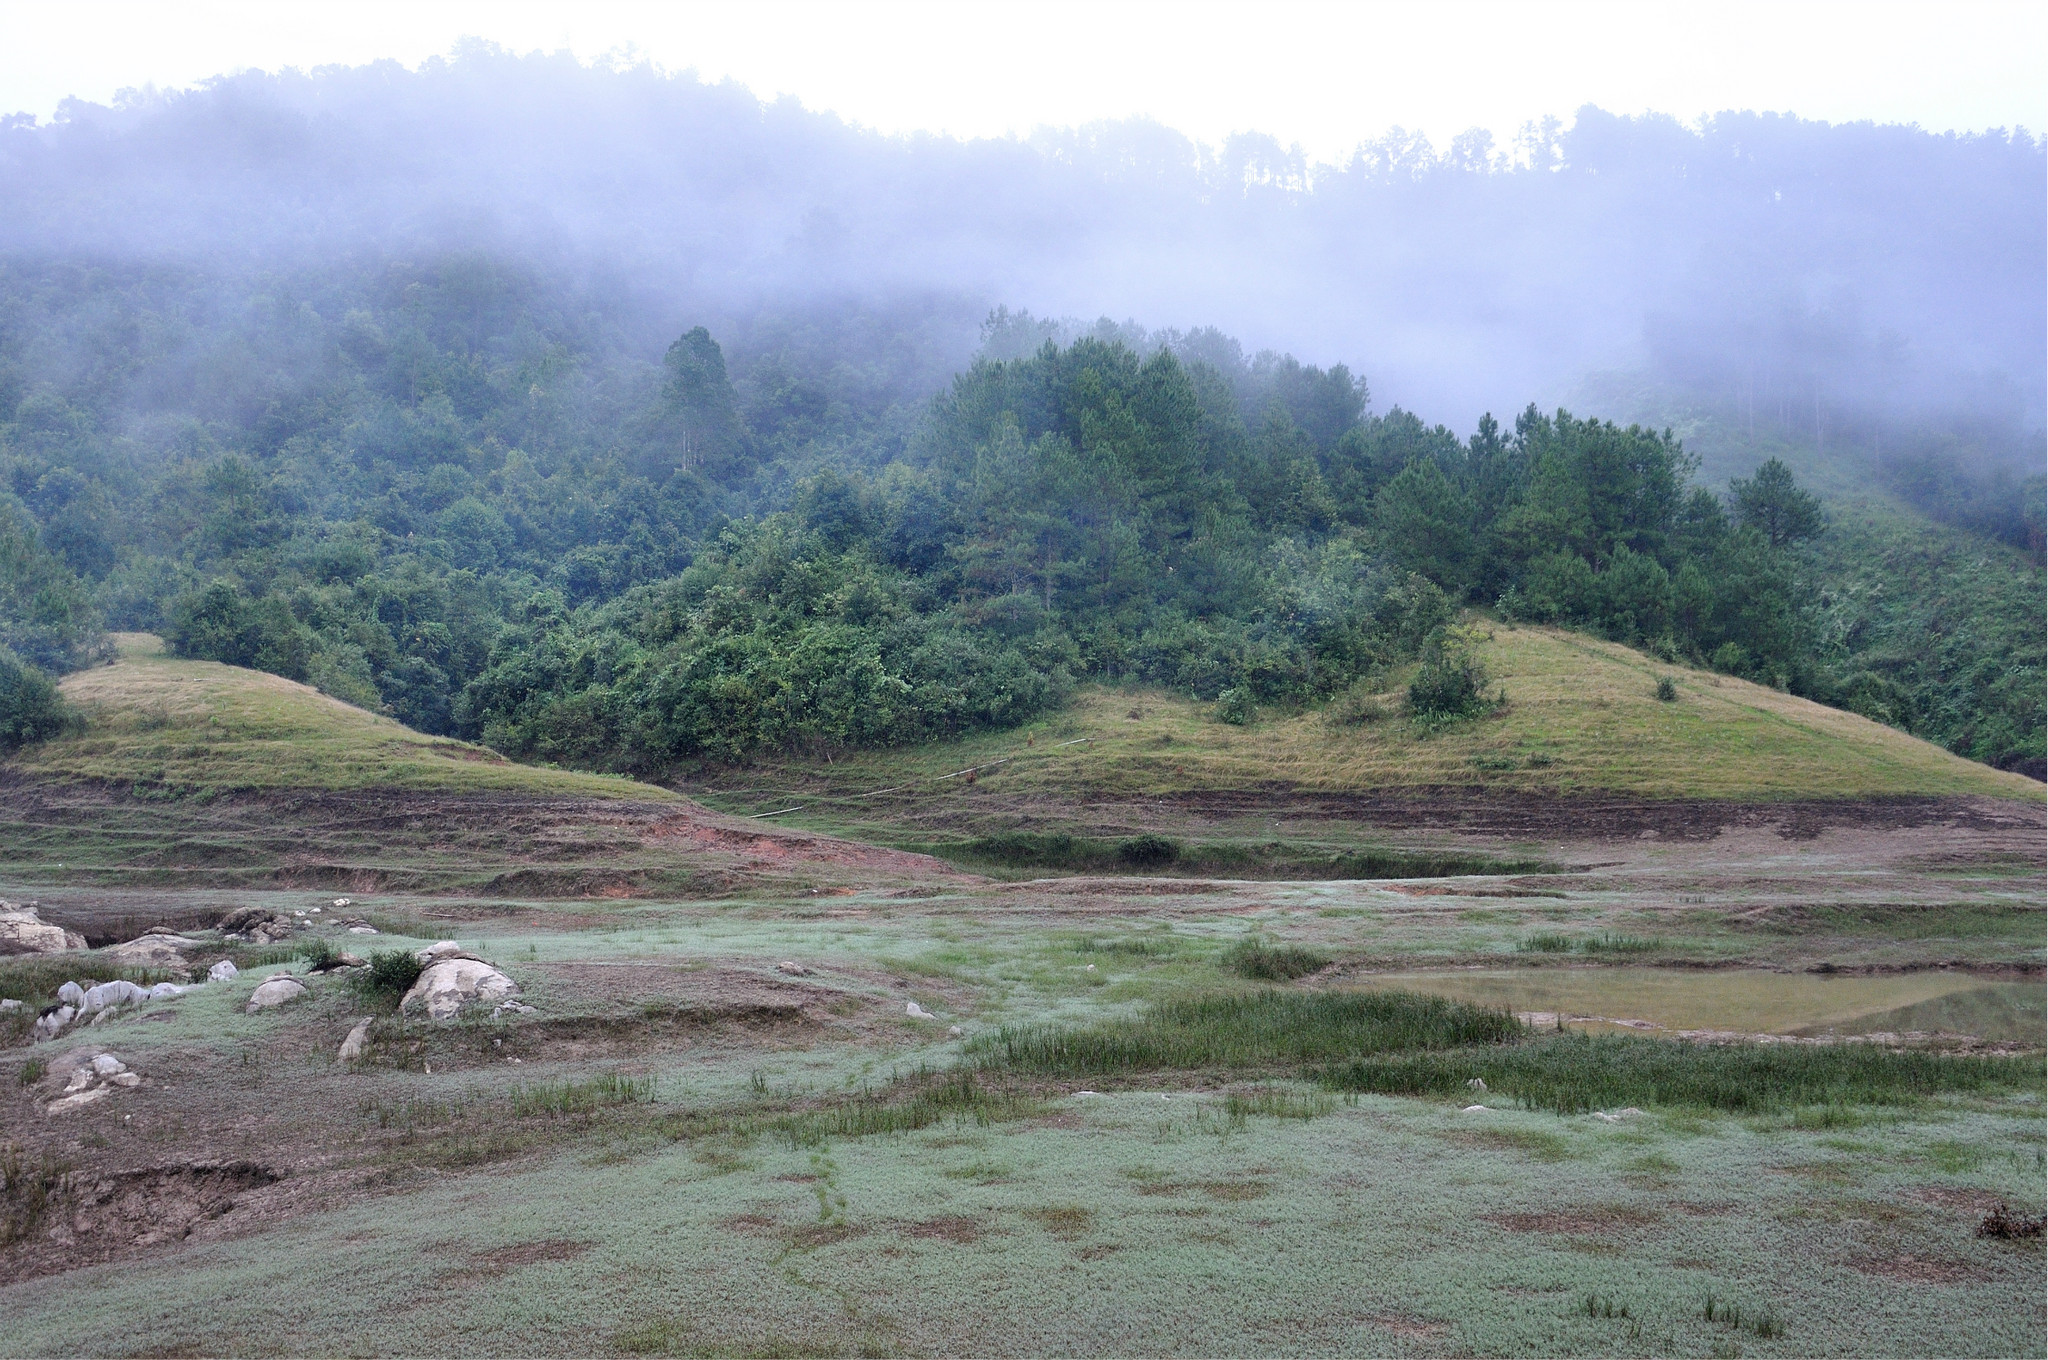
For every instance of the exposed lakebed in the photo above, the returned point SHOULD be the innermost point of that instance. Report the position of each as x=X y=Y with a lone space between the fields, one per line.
x=1748 y=1000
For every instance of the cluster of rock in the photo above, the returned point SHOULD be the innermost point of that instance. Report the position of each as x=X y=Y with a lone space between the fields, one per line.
x=85 y=1000
x=255 y=925
x=81 y=1077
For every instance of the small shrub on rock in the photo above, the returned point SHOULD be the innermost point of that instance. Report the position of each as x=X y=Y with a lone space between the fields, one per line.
x=391 y=973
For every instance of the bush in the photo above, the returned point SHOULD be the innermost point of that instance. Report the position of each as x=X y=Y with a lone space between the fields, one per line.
x=392 y=972
x=1667 y=689
x=1148 y=852
x=1236 y=707
x=1452 y=682
x=31 y=709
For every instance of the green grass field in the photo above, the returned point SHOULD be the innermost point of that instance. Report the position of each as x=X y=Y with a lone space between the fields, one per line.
x=160 y=723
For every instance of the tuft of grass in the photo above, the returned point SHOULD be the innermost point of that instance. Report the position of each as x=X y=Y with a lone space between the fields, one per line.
x=1577 y=1073
x=317 y=953
x=1254 y=958
x=1263 y=1029
x=1667 y=690
x=910 y=1103
x=580 y=1097
x=32 y=1071
x=1602 y=1306
x=1763 y=1322
x=1607 y=942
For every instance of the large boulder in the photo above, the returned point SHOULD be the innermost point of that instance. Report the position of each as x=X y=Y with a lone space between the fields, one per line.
x=273 y=992
x=22 y=931
x=164 y=951
x=447 y=986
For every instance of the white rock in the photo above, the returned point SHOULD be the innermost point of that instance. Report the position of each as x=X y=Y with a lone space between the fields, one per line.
x=165 y=989
x=1478 y=1109
x=67 y=1103
x=917 y=1012
x=8 y=1003
x=224 y=971
x=351 y=1049
x=22 y=931
x=1477 y=1084
x=793 y=968
x=126 y=1079
x=71 y=994
x=343 y=902
x=447 y=985
x=316 y=911
x=274 y=991
x=362 y=930
x=954 y=1031
x=119 y=992
x=515 y=1008
x=106 y=1065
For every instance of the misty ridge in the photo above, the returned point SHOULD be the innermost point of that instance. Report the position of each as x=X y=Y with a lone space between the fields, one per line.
x=1821 y=278
x=621 y=420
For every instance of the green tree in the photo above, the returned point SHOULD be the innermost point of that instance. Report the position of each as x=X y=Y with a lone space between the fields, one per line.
x=1775 y=505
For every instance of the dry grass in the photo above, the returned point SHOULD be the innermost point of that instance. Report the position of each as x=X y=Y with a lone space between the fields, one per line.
x=158 y=722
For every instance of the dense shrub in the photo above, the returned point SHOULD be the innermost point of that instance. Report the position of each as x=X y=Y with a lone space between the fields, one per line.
x=31 y=709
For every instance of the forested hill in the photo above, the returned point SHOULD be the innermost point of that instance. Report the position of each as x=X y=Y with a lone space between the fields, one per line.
x=454 y=492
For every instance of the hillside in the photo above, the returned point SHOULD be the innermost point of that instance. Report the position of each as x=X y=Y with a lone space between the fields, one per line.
x=1582 y=718
x=158 y=722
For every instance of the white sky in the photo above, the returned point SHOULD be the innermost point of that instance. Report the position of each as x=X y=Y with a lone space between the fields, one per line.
x=1324 y=75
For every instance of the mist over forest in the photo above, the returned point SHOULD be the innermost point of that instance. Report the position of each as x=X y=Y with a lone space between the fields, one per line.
x=509 y=395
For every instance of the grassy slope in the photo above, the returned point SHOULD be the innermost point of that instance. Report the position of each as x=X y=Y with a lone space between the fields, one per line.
x=1582 y=717
x=196 y=725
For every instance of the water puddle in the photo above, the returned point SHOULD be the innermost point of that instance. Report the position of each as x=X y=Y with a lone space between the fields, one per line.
x=1746 y=1000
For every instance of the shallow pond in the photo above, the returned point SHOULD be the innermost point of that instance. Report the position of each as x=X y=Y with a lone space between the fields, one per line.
x=1746 y=1000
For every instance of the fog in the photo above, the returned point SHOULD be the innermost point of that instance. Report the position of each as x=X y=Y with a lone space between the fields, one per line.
x=1831 y=281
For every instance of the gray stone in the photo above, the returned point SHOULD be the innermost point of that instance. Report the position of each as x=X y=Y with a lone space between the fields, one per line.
x=165 y=989
x=106 y=1065
x=274 y=991
x=224 y=971
x=71 y=994
x=358 y=1040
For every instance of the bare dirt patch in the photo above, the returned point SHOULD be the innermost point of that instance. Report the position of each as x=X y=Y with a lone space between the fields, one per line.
x=502 y=1261
x=1919 y=1270
x=1400 y=1325
x=956 y=1228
